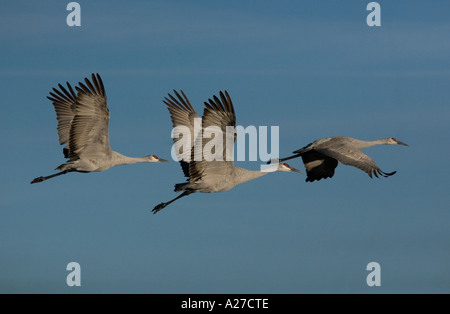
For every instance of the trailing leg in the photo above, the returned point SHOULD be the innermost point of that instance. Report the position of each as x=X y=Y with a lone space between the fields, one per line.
x=41 y=179
x=162 y=205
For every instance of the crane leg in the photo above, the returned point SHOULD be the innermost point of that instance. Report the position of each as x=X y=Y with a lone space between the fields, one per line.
x=41 y=179
x=284 y=159
x=290 y=157
x=162 y=205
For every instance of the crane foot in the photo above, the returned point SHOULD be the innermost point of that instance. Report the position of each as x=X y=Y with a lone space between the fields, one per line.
x=37 y=180
x=158 y=208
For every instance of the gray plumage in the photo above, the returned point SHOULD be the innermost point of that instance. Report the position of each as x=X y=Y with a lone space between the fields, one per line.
x=83 y=120
x=321 y=157
x=207 y=174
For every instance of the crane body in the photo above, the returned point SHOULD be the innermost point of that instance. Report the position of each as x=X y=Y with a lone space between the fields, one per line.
x=83 y=120
x=210 y=176
x=322 y=156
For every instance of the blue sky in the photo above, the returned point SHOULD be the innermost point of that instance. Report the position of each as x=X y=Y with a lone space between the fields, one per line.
x=313 y=68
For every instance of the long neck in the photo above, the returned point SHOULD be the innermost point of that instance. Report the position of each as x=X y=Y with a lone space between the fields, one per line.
x=364 y=144
x=119 y=159
x=243 y=175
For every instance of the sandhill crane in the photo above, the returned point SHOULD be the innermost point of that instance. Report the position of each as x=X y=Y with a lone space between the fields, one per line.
x=83 y=124
x=321 y=157
x=210 y=176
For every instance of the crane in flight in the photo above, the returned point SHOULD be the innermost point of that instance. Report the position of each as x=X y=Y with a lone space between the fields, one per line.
x=83 y=120
x=321 y=157
x=203 y=175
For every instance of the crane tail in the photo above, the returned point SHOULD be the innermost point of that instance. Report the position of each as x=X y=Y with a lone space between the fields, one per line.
x=180 y=186
x=66 y=152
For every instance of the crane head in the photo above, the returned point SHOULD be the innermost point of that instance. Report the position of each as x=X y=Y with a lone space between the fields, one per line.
x=154 y=158
x=393 y=141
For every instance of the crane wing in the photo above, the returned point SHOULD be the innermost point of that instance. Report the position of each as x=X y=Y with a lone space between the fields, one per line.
x=89 y=131
x=218 y=113
x=182 y=114
x=64 y=101
x=351 y=156
x=318 y=166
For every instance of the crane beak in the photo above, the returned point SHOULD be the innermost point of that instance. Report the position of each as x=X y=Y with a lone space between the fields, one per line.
x=295 y=170
x=162 y=160
x=401 y=143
